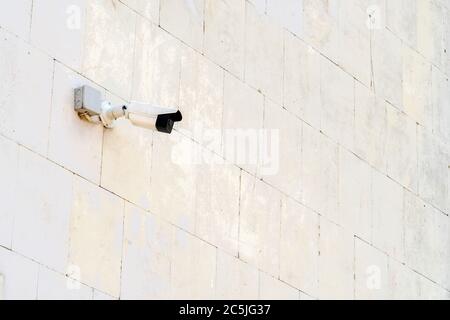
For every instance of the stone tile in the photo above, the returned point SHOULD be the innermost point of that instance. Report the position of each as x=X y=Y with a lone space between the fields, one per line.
x=157 y=66
x=259 y=231
x=41 y=223
x=184 y=19
x=427 y=240
x=299 y=247
x=97 y=224
x=302 y=65
x=286 y=171
x=9 y=166
x=433 y=169
x=401 y=148
x=371 y=272
x=355 y=212
x=55 y=286
x=19 y=276
x=243 y=117
x=405 y=284
x=235 y=279
x=387 y=67
x=441 y=104
x=173 y=185
x=127 y=162
x=430 y=31
x=446 y=43
x=319 y=173
x=193 y=268
x=388 y=217
x=273 y=289
x=147 y=250
x=58 y=28
x=25 y=113
x=417 y=92
x=183 y=190
x=73 y=143
x=335 y=262
x=370 y=127
x=15 y=17
x=401 y=19
x=320 y=26
x=264 y=55
x=225 y=34
x=337 y=112
x=201 y=100
x=109 y=45
x=217 y=211
x=354 y=46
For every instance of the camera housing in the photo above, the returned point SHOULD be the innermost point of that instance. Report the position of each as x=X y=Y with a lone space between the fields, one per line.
x=88 y=103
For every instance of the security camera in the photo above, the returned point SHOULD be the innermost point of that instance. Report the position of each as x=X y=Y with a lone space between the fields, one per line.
x=90 y=106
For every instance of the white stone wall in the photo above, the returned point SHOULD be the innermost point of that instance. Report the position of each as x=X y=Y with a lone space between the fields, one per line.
x=352 y=203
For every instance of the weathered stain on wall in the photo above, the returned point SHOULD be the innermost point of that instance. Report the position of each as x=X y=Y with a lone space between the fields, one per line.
x=312 y=161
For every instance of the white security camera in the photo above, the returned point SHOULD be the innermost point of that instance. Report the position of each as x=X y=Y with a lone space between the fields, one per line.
x=90 y=106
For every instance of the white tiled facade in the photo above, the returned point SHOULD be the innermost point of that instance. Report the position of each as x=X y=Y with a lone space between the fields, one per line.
x=351 y=200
